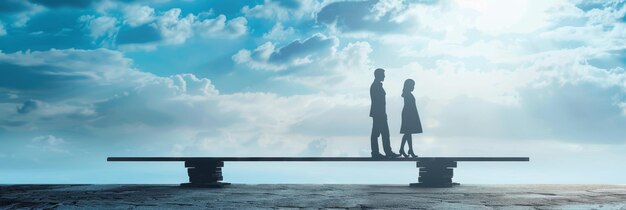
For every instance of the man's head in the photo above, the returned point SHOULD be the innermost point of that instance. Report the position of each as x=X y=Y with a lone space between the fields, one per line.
x=379 y=74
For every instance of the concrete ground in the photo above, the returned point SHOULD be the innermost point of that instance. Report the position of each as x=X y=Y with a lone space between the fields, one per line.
x=239 y=196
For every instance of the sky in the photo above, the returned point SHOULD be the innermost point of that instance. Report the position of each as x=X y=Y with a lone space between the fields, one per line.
x=82 y=80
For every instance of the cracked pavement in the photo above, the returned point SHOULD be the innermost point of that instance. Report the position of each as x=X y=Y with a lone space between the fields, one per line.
x=292 y=196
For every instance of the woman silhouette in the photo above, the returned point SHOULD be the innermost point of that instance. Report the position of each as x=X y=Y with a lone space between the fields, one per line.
x=410 y=119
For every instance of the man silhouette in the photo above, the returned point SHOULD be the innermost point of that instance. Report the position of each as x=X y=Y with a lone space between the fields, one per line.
x=379 y=116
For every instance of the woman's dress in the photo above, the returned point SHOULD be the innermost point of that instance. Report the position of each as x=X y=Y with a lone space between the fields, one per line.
x=410 y=118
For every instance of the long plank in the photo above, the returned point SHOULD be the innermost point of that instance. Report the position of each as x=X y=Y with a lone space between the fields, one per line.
x=316 y=159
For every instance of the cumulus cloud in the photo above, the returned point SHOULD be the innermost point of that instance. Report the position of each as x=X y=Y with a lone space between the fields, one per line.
x=175 y=30
x=278 y=32
x=219 y=27
x=190 y=84
x=110 y=89
x=364 y=16
x=298 y=52
x=329 y=69
x=46 y=73
x=135 y=15
x=599 y=28
x=171 y=28
x=98 y=27
x=99 y=89
x=42 y=73
x=282 y=10
x=384 y=7
x=134 y=26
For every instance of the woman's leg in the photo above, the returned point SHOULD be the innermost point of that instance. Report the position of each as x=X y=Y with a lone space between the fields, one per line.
x=410 y=141
x=402 y=144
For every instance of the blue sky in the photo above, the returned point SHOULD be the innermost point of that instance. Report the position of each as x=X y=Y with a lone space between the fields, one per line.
x=84 y=80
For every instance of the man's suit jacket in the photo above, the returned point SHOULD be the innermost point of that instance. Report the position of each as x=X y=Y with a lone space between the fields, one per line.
x=377 y=94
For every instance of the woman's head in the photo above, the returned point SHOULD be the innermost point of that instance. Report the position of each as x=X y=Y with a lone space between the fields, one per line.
x=409 y=85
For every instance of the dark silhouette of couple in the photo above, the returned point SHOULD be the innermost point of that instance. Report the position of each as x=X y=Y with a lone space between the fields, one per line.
x=410 y=118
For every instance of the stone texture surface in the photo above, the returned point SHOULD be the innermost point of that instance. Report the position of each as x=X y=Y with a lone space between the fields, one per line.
x=238 y=196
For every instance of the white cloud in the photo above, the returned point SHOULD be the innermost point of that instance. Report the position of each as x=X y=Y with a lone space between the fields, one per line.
x=209 y=26
x=262 y=52
x=333 y=70
x=104 y=88
x=135 y=15
x=237 y=26
x=359 y=18
x=142 y=28
x=175 y=30
x=71 y=69
x=385 y=7
x=191 y=85
x=219 y=27
x=283 y=10
x=107 y=64
x=98 y=27
x=598 y=28
x=278 y=32
x=268 y=10
x=179 y=109
x=296 y=53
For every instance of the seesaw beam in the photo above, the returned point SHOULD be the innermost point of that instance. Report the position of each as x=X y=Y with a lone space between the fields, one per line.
x=207 y=171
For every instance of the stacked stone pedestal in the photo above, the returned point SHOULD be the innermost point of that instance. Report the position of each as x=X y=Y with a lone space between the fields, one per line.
x=204 y=174
x=435 y=173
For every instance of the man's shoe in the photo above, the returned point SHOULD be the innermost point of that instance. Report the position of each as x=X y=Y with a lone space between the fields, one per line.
x=391 y=155
x=377 y=155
